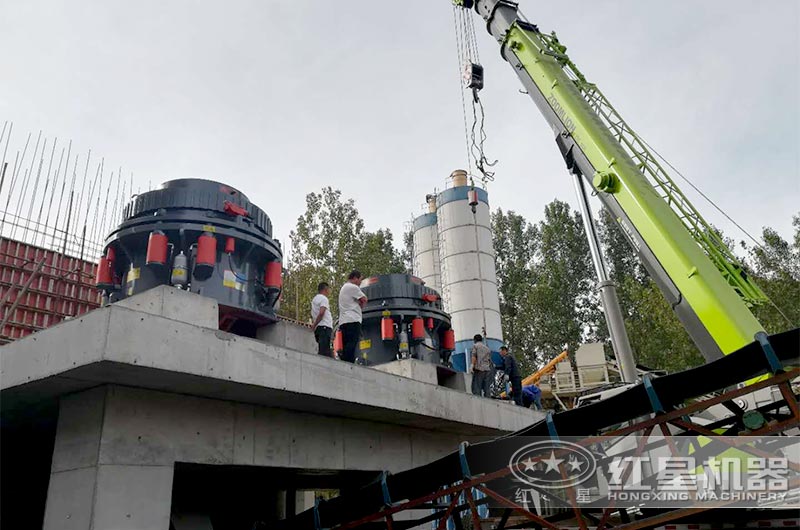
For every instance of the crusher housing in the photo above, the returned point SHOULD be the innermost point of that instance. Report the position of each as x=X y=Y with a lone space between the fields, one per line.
x=202 y=236
x=404 y=318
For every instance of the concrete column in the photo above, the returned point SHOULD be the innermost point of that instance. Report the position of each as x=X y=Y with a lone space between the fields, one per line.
x=87 y=493
x=280 y=504
x=304 y=500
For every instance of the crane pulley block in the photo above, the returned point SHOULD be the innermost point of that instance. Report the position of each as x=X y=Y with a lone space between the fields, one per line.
x=473 y=76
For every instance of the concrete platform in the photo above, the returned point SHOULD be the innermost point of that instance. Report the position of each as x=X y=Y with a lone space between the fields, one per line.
x=149 y=384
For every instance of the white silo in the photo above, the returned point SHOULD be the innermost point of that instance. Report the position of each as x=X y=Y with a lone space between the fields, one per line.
x=426 y=247
x=468 y=275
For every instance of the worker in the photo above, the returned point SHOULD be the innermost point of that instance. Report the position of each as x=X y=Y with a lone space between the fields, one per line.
x=482 y=368
x=322 y=320
x=511 y=369
x=351 y=301
x=532 y=395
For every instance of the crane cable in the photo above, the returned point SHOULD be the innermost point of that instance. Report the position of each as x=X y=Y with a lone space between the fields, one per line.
x=459 y=47
x=468 y=62
x=699 y=191
x=720 y=210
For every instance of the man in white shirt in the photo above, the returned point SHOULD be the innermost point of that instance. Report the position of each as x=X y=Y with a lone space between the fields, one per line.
x=351 y=300
x=322 y=320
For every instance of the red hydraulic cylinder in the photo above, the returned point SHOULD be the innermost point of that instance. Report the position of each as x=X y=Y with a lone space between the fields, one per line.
x=157 y=248
x=206 y=250
x=449 y=340
x=417 y=329
x=387 y=328
x=429 y=323
x=206 y=256
x=230 y=245
x=104 y=278
x=338 y=341
x=273 y=275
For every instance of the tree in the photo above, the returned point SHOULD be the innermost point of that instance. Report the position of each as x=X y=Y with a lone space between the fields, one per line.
x=407 y=253
x=327 y=234
x=775 y=267
x=328 y=242
x=657 y=337
x=299 y=287
x=563 y=301
x=622 y=261
x=515 y=242
x=375 y=254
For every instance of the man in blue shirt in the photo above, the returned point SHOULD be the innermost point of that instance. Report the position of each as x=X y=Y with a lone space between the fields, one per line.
x=532 y=395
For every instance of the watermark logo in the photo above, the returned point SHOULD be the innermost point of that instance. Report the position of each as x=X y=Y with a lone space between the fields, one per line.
x=553 y=464
x=656 y=471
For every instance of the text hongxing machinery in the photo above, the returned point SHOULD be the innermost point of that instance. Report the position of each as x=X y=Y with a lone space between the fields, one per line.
x=404 y=318
x=202 y=236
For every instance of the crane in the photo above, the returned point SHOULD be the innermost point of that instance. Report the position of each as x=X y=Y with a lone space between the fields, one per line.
x=701 y=278
x=705 y=283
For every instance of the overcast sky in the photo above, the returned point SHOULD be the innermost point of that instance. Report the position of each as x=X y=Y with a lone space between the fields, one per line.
x=281 y=98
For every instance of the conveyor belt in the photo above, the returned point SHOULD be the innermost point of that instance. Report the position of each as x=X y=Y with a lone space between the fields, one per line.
x=672 y=390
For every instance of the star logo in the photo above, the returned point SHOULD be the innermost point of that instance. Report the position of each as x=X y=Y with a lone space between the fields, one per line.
x=578 y=464
x=574 y=464
x=529 y=464
x=552 y=462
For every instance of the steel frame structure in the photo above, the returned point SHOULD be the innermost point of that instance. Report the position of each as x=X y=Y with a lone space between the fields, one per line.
x=452 y=501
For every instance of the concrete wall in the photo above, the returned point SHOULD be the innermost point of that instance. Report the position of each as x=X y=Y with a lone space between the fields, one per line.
x=411 y=368
x=175 y=304
x=184 y=306
x=150 y=383
x=116 y=448
x=129 y=347
x=288 y=335
x=92 y=490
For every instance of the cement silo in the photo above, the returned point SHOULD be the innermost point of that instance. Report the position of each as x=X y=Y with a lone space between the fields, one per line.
x=426 y=247
x=468 y=276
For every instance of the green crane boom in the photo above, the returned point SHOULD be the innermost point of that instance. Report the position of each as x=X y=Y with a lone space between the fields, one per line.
x=700 y=277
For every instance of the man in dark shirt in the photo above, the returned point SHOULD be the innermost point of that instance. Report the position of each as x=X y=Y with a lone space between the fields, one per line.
x=511 y=368
x=482 y=368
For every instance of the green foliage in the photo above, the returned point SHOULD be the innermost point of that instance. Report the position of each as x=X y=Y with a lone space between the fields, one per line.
x=563 y=301
x=545 y=283
x=327 y=234
x=407 y=253
x=622 y=261
x=515 y=243
x=548 y=293
x=775 y=267
x=657 y=337
x=376 y=254
x=328 y=242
